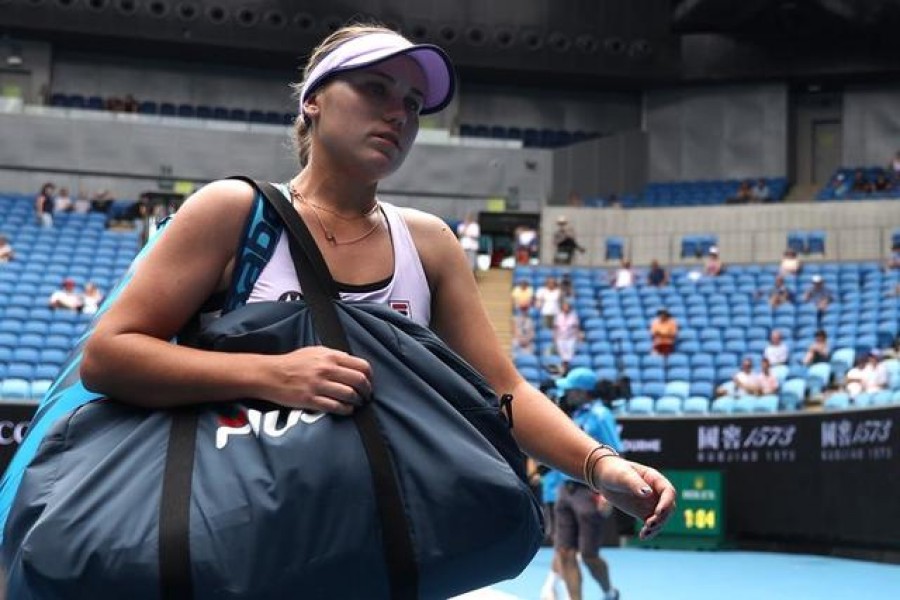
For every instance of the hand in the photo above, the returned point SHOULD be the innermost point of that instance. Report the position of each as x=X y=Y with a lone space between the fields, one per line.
x=603 y=505
x=321 y=379
x=638 y=490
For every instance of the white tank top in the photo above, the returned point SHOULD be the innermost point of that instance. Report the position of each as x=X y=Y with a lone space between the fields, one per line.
x=406 y=290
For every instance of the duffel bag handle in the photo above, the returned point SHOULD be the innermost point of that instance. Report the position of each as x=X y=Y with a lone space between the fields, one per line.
x=320 y=291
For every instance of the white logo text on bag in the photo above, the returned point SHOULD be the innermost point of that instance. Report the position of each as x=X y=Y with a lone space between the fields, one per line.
x=259 y=424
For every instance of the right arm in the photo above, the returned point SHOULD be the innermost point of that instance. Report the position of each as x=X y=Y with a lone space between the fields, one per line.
x=129 y=356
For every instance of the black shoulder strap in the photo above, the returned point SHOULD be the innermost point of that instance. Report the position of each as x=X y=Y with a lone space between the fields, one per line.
x=320 y=290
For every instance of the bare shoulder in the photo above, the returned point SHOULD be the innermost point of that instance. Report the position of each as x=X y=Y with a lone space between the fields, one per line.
x=224 y=197
x=434 y=239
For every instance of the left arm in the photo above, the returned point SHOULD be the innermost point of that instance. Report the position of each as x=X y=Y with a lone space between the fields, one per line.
x=544 y=432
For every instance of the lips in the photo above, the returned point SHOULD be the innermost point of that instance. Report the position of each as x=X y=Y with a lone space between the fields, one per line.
x=390 y=137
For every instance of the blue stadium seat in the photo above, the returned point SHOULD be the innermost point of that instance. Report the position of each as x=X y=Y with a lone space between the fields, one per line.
x=696 y=405
x=654 y=389
x=680 y=389
x=818 y=376
x=722 y=405
x=793 y=393
x=640 y=405
x=704 y=389
x=15 y=389
x=766 y=404
x=837 y=401
x=745 y=404
x=668 y=405
x=615 y=248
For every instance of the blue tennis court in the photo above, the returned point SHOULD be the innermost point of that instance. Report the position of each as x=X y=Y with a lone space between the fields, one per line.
x=679 y=575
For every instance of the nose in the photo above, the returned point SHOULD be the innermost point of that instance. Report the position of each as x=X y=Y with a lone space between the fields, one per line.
x=396 y=112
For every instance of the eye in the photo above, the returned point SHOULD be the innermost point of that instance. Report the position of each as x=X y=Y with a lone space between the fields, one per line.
x=413 y=104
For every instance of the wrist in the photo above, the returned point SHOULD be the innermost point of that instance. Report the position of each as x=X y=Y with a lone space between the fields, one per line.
x=592 y=463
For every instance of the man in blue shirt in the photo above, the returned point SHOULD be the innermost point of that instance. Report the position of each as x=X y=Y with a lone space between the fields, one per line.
x=579 y=512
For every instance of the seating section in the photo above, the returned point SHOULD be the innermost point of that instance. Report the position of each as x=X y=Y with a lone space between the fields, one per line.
x=35 y=339
x=188 y=111
x=876 y=184
x=721 y=320
x=699 y=193
x=530 y=137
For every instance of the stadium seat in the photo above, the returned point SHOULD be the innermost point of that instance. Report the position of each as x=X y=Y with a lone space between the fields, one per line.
x=668 y=405
x=640 y=405
x=818 y=376
x=744 y=404
x=696 y=405
x=837 y=401
x=766 y=404
x=793 y=393
x=722 y=405
x=15 y=389
x=678 y=389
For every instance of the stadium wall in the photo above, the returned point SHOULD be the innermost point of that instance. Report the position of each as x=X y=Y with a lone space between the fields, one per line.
x=723 y=132
x=871 y=126
x=860 y=230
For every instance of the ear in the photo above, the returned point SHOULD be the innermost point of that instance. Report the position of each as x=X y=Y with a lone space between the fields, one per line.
x=311 y=106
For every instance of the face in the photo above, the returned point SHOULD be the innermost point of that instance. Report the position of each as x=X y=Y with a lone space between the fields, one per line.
x=746 y=365
x=776 y=337
x=369 y=118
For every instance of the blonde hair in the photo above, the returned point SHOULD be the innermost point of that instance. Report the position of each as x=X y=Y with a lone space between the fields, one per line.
x=302 y=125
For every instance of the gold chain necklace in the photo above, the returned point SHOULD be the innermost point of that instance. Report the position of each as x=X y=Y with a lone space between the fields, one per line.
x=296 y=196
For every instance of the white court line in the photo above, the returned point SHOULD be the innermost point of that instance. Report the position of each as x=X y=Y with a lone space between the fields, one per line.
x=486 y=594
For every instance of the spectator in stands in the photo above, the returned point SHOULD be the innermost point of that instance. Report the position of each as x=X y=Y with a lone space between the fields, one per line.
x=91 y=298
x=6 y=250
x=101 y=201
x=882 y=183
x=818 y=350
x=613 y=201
x=766 y=382
x=547 y=299
x=818 y=294
x=469 y=234
x=523 y=331
x=623 y=277
x=43 y=205
x=522 y=295
x=63 y=202
x=526 y=244
x=839 y=185
x=780 y=293
x=81 y=205
x=129 y=104
x=657 y=276
x=66 y=297
x=893 y=263
x=743 y=195
x=565 y=287
x=566 y=334
x=790 y=263
x=663 y=332
x=868 y=375
x=760 y=191
x=565 y=242
x=860 y=182
x=777 y=352
x=115 y=104
x=745 y=382
x=714 y=265
x=894 y=168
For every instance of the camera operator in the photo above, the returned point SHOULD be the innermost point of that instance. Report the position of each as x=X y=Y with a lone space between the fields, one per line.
x=579 y=512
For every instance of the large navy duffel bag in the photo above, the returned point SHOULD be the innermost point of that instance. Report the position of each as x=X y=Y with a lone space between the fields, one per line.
x=276 y=503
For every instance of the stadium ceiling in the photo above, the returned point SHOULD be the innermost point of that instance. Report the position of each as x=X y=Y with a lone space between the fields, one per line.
x=579 y=40
x=577 y=43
